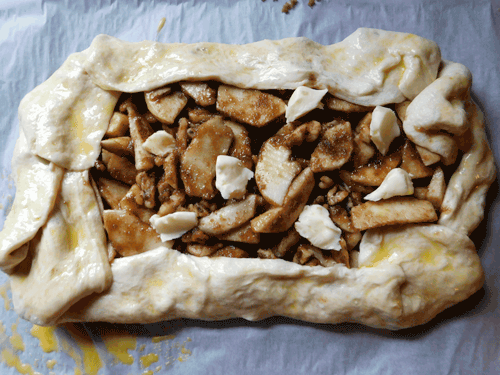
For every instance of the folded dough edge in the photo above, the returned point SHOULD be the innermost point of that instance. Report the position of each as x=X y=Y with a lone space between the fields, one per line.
x=435 y=262
x=67 y=259
x=370 y=67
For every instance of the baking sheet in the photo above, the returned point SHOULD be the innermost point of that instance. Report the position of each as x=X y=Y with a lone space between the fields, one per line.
x=35 y=39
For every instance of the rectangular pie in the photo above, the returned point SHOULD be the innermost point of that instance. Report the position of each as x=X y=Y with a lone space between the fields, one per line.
x=329 y=184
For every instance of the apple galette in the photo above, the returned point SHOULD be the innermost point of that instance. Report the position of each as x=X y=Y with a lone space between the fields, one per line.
x=325 y=183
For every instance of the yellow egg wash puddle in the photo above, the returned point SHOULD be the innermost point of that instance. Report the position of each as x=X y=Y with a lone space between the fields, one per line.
x=77 y=126
x=400 y=67
x=155 y=283
x=185 y=353
x=91 y=363
x=69 y=350
x=428 y=256
x=430 y=253
x=119 y=345
x=3 y=292
x=16 y=339
x=51 y=364
x=383 y=253
x=46 y=337
x=72 y=235
x=79 y=346
x=87 y=362
x=148 y=359
x=12 y=360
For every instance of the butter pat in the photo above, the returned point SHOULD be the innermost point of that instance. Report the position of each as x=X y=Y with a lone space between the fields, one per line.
x=174 y=225
x=159 y=143
x=303 y=101
x=383 y=128
x=315 y=224
x=396 y=183
x=231 y=177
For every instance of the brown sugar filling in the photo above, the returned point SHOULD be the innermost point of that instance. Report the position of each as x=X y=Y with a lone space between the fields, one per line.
x=325 y=158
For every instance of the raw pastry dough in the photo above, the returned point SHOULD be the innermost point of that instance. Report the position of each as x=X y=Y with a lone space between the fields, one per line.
x=399 y=286
x=67 y=259
x=395 y=286
x=37 y=182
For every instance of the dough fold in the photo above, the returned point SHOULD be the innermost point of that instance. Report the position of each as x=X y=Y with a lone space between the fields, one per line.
x=65 y=118
x=417 y=272
x=441 y=267
x=67 y=259
x=464 y=201
x=37 y=183
x=438 y=112
x=166 y=284
x=370 y=67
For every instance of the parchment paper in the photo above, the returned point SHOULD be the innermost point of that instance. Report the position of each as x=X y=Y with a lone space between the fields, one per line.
x=37 y=36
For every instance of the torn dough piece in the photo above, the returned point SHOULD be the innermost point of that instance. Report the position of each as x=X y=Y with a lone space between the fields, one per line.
x=383 y=128
x=396 y=183
x=315 y=224
x=231 y=177
x=174 y=225
x=303 y=101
